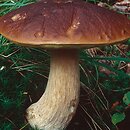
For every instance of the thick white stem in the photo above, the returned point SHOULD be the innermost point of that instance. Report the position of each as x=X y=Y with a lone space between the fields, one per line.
x=56 y=107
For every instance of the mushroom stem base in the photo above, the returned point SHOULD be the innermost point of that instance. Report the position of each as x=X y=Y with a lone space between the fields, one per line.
x=57 y=106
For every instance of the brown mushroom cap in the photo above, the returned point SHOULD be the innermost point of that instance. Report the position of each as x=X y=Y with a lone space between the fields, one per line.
x=64 y=24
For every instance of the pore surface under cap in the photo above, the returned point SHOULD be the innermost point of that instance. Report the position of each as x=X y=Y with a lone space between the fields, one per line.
x=64 y=23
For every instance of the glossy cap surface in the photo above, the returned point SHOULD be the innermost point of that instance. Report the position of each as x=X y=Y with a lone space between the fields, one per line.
x=66 y=23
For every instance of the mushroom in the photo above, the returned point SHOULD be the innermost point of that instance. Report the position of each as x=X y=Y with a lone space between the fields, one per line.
x=62 y=27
